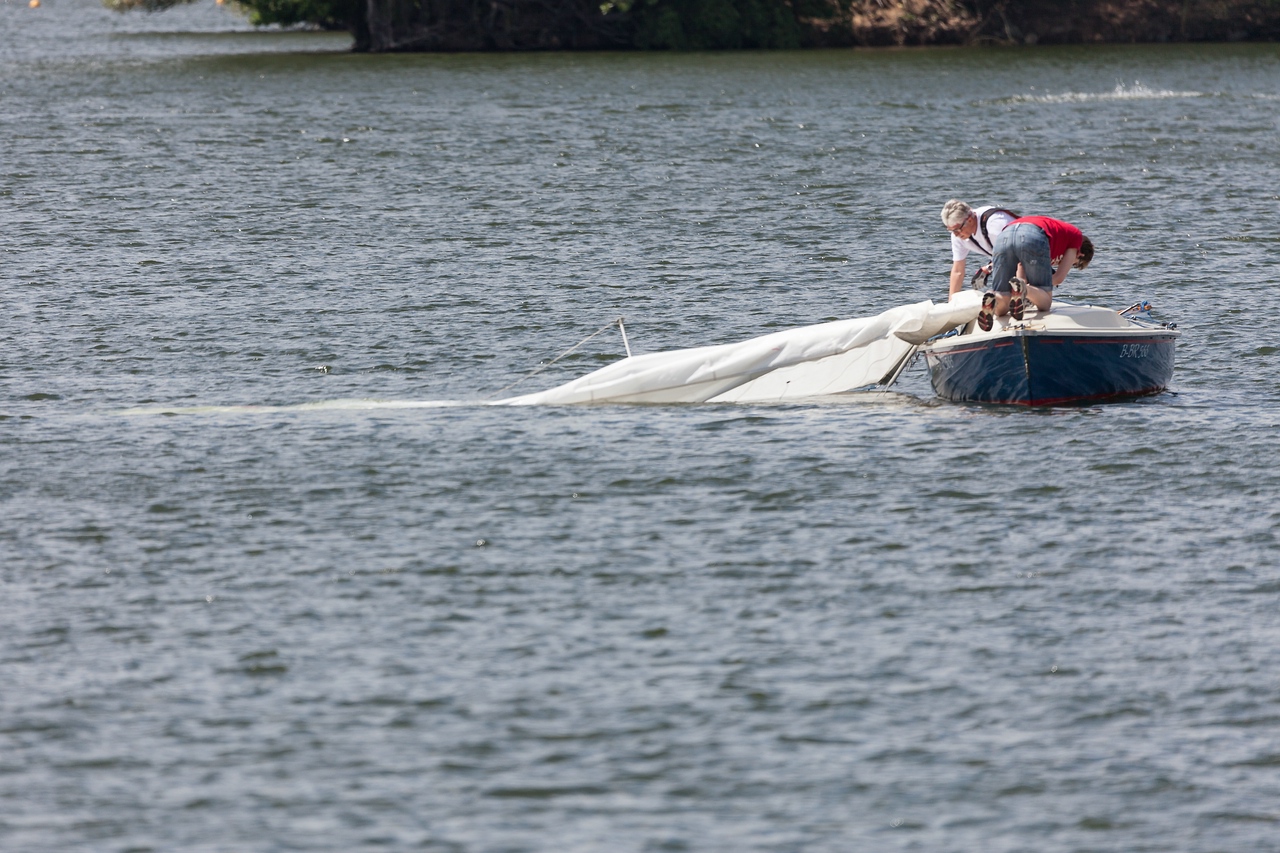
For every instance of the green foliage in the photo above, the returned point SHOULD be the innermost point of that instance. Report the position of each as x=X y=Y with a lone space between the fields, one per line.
x=147 y=5
x=714 y=24
x=333 y=14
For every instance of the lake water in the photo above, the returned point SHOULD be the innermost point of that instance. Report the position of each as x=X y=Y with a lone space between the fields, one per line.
x=290 y=615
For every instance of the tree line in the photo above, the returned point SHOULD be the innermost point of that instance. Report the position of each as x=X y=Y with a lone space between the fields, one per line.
x=481 y=25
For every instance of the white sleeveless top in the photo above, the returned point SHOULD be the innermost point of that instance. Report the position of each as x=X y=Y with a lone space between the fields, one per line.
x=996 y=223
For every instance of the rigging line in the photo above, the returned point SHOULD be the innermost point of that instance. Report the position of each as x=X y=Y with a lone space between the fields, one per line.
x=542 y=367
x=625 y=343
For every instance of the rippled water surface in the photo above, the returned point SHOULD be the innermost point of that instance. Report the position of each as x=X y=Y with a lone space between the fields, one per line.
x=257 y=598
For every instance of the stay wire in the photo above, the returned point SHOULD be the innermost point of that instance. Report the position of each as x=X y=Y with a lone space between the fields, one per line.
x=606 y=327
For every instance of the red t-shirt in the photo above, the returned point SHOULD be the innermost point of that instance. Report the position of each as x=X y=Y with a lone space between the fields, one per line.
x=1062 y=235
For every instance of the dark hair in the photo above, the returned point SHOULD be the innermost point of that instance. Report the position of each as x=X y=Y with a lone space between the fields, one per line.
x=1085 y=254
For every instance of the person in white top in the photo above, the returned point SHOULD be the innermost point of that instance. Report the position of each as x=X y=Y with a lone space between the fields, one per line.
x=972 y=230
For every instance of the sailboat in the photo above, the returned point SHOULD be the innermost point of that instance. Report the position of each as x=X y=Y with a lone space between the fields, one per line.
x=1070 y=353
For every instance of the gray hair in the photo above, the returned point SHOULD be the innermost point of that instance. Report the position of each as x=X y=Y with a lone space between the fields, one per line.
x=955 y=212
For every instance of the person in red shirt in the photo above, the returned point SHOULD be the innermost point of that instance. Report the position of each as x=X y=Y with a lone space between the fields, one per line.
x=1039 y=251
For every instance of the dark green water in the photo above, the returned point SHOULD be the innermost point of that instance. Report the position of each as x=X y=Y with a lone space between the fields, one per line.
x=298 y=617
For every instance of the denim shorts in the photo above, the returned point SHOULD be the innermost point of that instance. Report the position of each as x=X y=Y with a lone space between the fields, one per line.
x=1026 y=244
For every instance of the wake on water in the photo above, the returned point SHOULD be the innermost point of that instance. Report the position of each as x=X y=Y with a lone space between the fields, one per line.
x=354 y=405
x=876 y=396
x=1136 y=92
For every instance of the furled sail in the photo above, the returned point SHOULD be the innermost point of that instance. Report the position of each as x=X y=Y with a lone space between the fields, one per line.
x=827 y=358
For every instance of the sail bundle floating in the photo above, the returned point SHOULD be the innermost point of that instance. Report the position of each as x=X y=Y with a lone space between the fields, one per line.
x=827 y=358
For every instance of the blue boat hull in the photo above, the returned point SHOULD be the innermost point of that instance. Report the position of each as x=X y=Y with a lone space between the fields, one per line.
x=1037 y=369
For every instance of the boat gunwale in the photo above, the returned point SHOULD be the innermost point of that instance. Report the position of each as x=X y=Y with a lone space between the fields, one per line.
x=978 y=339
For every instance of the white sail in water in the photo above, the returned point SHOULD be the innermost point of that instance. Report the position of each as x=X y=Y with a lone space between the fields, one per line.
x=828 y=358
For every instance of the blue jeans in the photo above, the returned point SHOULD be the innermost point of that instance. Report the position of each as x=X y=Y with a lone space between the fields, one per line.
x=1026 y=244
